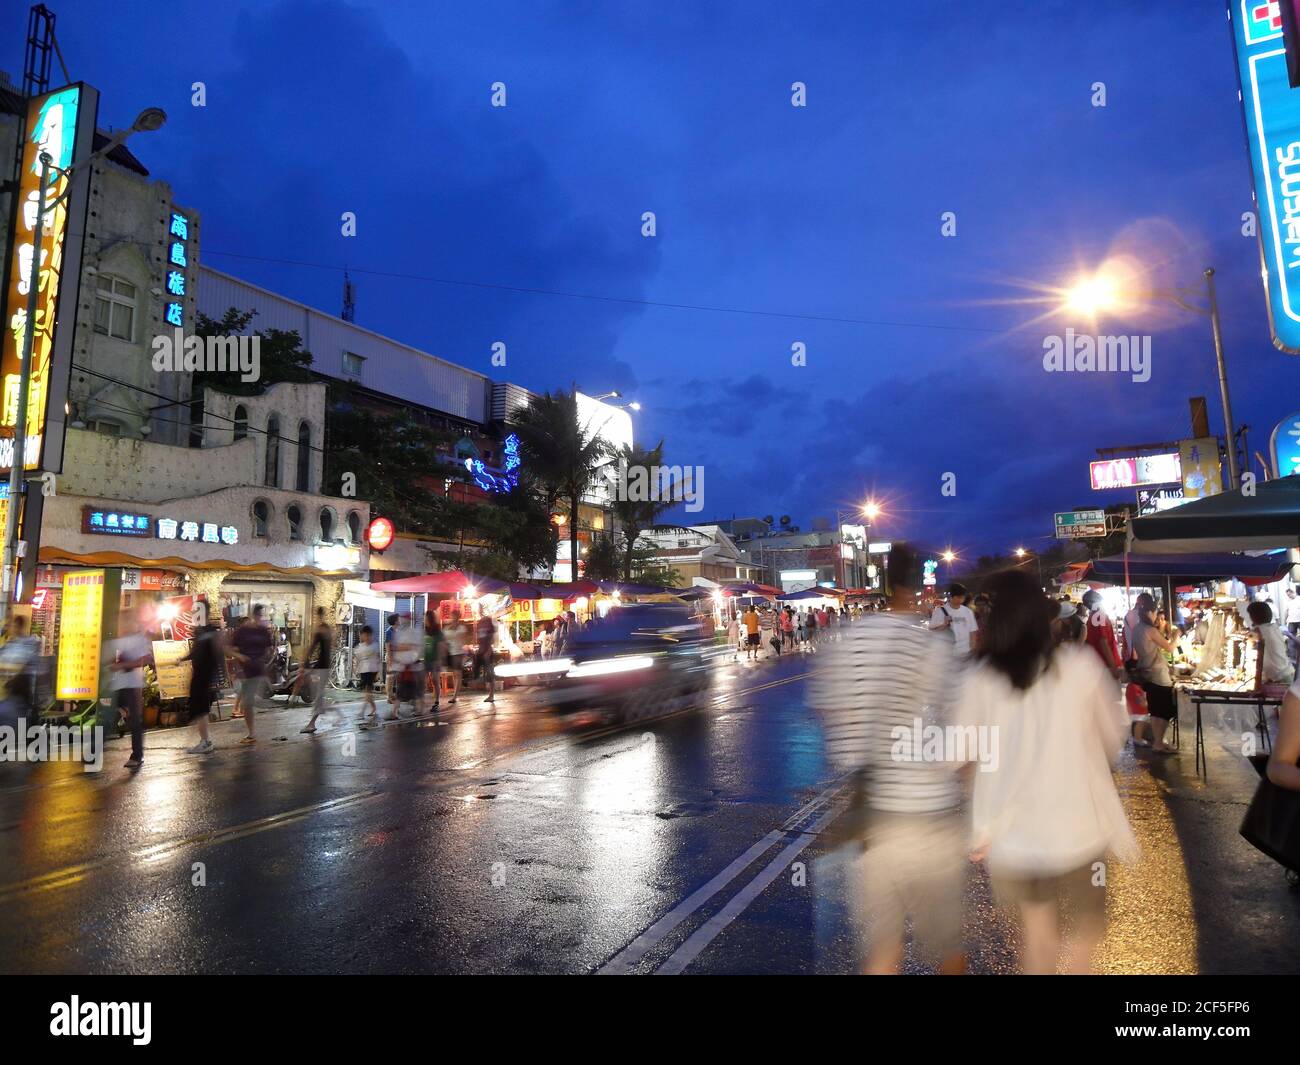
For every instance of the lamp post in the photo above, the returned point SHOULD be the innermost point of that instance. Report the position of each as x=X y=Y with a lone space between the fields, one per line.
x=150 y=119
x=1022 y=553
x=1099 y=293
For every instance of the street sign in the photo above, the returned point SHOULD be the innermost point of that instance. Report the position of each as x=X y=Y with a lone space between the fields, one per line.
x=1286 y=445
x=1272 y=113
x=1080 y=524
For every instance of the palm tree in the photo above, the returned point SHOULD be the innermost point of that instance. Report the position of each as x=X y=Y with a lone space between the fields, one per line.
x=562 y=454
x=636 y=516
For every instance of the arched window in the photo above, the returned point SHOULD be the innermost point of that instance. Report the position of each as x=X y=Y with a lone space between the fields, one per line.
x=241 y=422
x=115 y=307
x=327 y=525
x=261 y=518
x=272 y=477
x=294 y=514
x=354 y=527
x=304 y=456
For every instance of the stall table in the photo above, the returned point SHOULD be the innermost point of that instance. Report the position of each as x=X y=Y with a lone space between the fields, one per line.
x=1259 y=700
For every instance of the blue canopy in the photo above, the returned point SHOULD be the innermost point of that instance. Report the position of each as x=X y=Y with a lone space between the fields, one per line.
x=807 y=593
x=1187 y=569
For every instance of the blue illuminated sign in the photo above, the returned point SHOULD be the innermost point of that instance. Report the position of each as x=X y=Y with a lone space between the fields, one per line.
x=508 y=478
x=1273 y=137
x=1286 y=445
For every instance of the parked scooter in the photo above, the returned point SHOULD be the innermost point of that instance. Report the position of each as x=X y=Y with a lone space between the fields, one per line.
x=283 y=673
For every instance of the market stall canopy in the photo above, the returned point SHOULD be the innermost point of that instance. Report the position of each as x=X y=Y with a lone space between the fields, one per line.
x=571 y=590
x=450 y=582
x=623 y=588
x=737 y=588
x=692 y=594
x=807 y=593
x=524 y=590
x=1230 y=521
x=1193 y=569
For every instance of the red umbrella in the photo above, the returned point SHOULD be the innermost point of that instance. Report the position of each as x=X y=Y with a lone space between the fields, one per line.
x=449 y=582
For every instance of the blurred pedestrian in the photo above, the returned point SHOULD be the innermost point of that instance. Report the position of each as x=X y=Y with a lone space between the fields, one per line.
x=129 y=653
x=1045 y=810
x=315 y=668
x=1100 y=634
x=435 y=653
x=457 y=634
x=1273 y=669
x=752 y=635
x=252 y=646
x=888 y=681
x=365 y=664
x=205 y=658
x=485 y=633
x=956 y=618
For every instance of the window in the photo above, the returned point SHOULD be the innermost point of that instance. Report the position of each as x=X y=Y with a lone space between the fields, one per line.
x=105 y=428
x=241 y=422
x=352 y=364
x=272 y=477
x=294 y=514
x=354 y=527
x=304 y=456
x=196 y=422
x=261 y=518
x=326 y=525
x=115 y=307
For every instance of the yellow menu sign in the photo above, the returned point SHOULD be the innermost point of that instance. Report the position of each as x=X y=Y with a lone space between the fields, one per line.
x=81 y=616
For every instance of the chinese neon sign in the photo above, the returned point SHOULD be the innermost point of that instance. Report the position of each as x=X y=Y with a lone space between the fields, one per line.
x=509 y=476
x=178 y=235
x=115 y=522
x=60 y=124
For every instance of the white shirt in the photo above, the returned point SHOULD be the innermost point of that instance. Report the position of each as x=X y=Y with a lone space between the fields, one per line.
x=128 y=648
x=963 y=623
x=1277 y=664
x=1293 y=611
x=1050 y=805
x=365 y=658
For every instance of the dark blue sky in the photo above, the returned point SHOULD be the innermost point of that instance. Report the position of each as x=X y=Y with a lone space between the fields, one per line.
x=828 y=211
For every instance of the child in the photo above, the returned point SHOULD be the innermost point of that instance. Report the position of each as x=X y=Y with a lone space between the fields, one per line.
x=365 y=663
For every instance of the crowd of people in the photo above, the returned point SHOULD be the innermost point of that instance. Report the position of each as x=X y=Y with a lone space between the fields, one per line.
x=1028 y=723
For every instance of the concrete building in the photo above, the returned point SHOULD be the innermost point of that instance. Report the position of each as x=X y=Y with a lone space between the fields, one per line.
x=698 y=551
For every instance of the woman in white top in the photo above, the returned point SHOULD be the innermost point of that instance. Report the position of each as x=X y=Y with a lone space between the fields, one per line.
x=1045 y=811
x=1273 y=667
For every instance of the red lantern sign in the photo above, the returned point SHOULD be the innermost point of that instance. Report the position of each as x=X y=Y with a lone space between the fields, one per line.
x=380 y=534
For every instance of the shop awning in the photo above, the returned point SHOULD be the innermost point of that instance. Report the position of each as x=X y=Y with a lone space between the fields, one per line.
x=1268 y=518
x=807 y=593
x=450 y=582
x=1186 y=569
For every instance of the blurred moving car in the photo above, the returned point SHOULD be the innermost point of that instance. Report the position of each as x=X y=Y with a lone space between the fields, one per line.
x=639 y=661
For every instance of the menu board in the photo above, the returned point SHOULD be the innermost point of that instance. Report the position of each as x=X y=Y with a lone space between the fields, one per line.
x=173 y=674
x=81 y=617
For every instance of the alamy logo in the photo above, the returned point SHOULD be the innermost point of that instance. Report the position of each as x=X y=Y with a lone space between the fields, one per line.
x=52 y=743
x=945 y=743
x=1104 y=354
x=177 y=353
x=103 y=1018
x=644 y=484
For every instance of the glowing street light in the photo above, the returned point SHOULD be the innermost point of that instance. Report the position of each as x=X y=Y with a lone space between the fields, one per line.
x=1093 y=295
x=871 y=509
x=1020 y=552
x=949 y=557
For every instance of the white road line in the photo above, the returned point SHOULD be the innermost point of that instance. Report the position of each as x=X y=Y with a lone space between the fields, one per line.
x=630 y=956
x=713 y=927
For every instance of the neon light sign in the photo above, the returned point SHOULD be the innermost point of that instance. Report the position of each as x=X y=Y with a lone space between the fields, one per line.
x=508 y=478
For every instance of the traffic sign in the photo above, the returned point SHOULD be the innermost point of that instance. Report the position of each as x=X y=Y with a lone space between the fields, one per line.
x=1080 y=524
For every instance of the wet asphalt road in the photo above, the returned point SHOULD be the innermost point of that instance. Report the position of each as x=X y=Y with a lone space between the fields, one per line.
x=504 y=841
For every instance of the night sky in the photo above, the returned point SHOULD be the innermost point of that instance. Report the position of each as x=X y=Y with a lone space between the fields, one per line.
x=776 y=224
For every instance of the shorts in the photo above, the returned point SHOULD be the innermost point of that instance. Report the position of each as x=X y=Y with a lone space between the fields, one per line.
x=1073 y=889
x=915 y=865
x=367 y=681
x=1160 y=700
x=456 y=663
x=250 y=688
x=753 y=639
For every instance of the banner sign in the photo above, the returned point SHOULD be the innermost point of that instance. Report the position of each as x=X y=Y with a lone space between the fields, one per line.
x=1138 y=470
x=62 y=125
x=173 y=674
x=1272 y=114
x=1201 y=473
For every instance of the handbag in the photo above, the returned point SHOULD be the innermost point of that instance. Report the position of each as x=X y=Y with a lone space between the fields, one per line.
x=1272 y=823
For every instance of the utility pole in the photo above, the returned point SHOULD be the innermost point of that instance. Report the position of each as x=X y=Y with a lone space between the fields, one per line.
x=1230 y=429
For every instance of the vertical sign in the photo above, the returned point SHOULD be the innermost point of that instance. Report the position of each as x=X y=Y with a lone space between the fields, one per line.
x=1286 y=446
x=1272 y=113
x=178 y=267
x=1201 y=474
x=62 y=125
x=81 y=616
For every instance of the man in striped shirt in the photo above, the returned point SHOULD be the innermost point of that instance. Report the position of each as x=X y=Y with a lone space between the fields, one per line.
x=885 y=684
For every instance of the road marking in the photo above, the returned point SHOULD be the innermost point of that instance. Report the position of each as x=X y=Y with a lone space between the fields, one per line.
x=630 y=956
x=713 y=927
x=160 y=851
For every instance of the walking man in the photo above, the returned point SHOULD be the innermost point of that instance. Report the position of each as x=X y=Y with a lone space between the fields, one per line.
x=131 y=653
x=316 y=665
x=252 y=646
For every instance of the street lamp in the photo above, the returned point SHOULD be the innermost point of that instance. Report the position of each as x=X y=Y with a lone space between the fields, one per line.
x=1022 y=553
x=1103 y=292
x=148 y=120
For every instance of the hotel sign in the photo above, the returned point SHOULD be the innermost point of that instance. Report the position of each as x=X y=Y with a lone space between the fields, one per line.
x=1272 y=114
x=62 y=125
